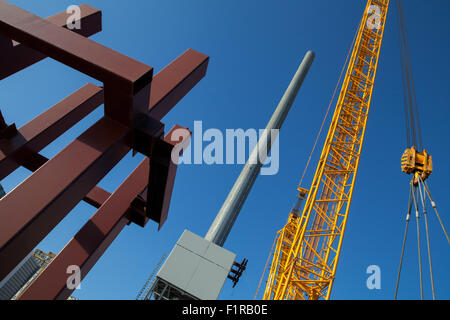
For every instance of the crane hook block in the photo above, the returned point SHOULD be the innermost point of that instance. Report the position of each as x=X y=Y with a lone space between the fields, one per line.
x=417 y=163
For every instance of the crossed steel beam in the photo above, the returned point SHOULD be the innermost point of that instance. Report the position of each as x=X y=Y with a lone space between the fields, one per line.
x=134 y=103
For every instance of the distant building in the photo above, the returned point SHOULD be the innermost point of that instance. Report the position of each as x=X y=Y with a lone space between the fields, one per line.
x=25 y=272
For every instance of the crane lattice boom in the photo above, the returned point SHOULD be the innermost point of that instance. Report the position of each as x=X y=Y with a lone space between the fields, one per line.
x=308 y=247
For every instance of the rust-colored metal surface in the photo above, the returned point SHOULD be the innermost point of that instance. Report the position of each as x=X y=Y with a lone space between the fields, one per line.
x=16 y=56
x=93 y=238
x=134 y=104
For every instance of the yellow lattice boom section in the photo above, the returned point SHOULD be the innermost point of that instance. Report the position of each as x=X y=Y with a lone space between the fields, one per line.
x=307 y=249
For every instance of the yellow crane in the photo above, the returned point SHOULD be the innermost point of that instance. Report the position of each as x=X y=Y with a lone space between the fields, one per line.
x=307 y=249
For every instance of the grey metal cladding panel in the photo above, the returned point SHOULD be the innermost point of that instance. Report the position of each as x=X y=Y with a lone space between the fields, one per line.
x=193 y=242
x=220 y=256
x=6 y=292
x=179 y=267
x=4 y=295
x=207 y=281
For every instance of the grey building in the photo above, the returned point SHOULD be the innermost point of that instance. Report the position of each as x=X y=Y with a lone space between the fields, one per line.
x=23 y=274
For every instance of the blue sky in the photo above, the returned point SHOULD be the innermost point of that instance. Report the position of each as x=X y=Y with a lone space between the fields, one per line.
x=255 y=48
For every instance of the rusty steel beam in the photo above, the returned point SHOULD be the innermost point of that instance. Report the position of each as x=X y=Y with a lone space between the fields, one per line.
x=94 y=237
x=44 y=129
x=169 y=86
x=16 y=56
x=126 y=81
x=72 y=177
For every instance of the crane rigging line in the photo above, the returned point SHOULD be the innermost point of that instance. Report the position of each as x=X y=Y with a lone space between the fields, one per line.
x=328 y=109
x=412 y=120
x=422 y=197
x=416 y=206
x=408 y=217
x=416 y=162
x=315 y=142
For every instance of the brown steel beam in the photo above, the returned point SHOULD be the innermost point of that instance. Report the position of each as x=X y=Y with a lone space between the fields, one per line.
x=16 y=56
x=56 y=188
x=169 y=86
x=176 y=80
x=44 y=129
x=66 y=179
x=127 y=82
x=94 y=238
x=96 y=197
x=160 y=184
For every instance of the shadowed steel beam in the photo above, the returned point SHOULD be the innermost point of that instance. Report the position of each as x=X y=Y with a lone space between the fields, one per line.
x=72 y=177
x=225 y=219
x=44 y=129
x=16 y=56
x=97 y=196
x=94 y=238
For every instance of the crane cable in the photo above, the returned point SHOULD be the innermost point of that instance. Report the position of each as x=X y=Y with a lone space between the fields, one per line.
x=433 y=204
x=265 y=269
x=329 y=108
x=412 y=121
x=416 y=206
x=408 y=217
x=422 y=197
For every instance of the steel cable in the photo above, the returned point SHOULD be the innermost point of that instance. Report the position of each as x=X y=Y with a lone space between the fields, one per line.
x=408 y=216
x=428 y=236
x=414 y=132
x=427 y=189
x=416 y=205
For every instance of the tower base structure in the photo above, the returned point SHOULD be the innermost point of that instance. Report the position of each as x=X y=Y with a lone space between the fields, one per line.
x=196 y=269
